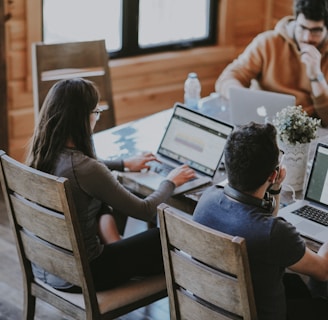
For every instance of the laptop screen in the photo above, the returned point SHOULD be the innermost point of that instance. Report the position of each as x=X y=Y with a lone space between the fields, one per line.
x=195 y=139
x=317 y=187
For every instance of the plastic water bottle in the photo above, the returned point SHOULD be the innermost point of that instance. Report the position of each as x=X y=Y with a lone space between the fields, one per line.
x=192 y=88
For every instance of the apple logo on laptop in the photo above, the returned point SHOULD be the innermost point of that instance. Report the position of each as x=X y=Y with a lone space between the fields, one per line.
x=261 y=111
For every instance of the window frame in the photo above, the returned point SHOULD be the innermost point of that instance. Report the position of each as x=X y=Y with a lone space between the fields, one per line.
x=130 y=22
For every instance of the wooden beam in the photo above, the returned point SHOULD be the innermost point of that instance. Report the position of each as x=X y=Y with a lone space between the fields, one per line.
x=268 y=21
x=34 y=34
x=226 y=23
x=3 y=83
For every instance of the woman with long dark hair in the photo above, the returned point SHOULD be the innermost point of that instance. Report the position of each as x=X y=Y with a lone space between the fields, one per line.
x=62 y=145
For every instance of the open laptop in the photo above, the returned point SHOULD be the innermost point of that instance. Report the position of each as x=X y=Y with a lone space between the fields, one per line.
x=316 y=196
x=260 y=106
x=190 y=137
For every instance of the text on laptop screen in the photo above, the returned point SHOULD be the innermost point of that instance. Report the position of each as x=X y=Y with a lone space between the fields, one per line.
x=317 y=189
x=195 y=140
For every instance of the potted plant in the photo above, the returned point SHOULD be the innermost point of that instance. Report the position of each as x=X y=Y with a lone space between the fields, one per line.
x=296 y=129
x=294 y=126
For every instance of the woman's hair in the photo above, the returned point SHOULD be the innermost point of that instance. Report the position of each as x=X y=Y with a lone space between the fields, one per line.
x=251 y=155
x=315 y=10
x=64 y=117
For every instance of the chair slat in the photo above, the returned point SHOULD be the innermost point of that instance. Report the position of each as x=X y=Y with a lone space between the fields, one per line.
x=24 y=182
x=204 y=242
x=44 y=223
x=75 y=312
x=191 y=309
x=71 y=73
x=217 y=288
x=55 y=260
x=55 y=55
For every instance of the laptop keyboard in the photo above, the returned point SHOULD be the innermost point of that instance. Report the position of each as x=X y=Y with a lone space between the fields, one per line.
x=162 y=168
x=313 y=214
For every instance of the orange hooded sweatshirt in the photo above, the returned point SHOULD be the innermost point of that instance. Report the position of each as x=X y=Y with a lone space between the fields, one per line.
x=274 y=60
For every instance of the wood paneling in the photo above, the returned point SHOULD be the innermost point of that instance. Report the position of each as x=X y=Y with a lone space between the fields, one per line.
x=3 y=83
x=141 y=85
x=282 y=8
x=148 y=84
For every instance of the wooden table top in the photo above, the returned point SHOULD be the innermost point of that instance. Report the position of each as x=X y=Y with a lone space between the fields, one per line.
x=145 y=135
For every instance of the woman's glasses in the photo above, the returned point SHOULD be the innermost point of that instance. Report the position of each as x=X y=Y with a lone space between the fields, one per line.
x=98 y=113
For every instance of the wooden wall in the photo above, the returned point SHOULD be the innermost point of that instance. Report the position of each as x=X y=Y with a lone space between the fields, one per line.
x=141 y=85
x=3 y=91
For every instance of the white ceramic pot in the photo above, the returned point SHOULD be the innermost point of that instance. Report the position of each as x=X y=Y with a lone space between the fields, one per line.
x=295 y=161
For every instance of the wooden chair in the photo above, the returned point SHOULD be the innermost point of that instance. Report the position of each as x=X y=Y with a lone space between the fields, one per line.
x=47 y=233
x=89 y=60
x=207 y=272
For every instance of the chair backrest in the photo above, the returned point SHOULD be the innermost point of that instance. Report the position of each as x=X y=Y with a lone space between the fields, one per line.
x=88 y=59
x=43 y=217
x=46 y=229
x=207 y=271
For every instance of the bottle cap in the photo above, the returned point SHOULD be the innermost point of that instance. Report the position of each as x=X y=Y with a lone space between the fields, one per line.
x=192 y=75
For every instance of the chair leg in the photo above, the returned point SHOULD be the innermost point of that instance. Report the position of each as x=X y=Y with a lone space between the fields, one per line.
x=29 y=306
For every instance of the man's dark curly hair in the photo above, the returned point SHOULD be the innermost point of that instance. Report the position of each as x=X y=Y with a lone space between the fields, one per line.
x=251 y=155
x=315 y=10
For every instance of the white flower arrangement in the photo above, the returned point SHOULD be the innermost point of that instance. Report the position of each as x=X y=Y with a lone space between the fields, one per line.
x=294 y=125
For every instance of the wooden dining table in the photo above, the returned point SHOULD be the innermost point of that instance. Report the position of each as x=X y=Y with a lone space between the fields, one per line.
x=144 y=135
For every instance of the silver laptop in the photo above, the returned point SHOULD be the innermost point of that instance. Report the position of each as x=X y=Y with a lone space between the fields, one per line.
x=300 y=213
x=190 y=137
x=260 y=106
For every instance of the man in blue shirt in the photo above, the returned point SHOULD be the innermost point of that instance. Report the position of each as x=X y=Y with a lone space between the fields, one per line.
x=247 y=207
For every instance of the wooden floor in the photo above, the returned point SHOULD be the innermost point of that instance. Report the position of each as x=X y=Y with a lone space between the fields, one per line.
x=11 y=295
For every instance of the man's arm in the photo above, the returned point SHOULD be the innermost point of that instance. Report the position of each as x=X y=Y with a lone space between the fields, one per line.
x=243 y=69
x=313 y=264
x=320 y=94
x=311 y=57
x=224 y=90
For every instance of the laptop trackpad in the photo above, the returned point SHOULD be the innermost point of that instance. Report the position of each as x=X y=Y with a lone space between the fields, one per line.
x=308 y=229
x=150 y=179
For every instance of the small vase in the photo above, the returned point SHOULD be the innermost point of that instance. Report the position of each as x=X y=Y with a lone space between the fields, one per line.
x=295 y=161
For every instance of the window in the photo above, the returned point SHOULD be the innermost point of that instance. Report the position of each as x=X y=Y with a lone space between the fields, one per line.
x=79 y=20
x=132 y=27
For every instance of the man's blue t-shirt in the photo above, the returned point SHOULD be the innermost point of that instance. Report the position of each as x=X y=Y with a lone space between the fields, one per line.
x=272 y=244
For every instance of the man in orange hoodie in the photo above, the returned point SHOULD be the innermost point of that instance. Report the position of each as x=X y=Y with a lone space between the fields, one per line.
x=292 y=59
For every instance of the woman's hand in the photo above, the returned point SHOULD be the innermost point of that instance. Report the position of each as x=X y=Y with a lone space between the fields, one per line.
x=181 y=174
x=139 y=162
